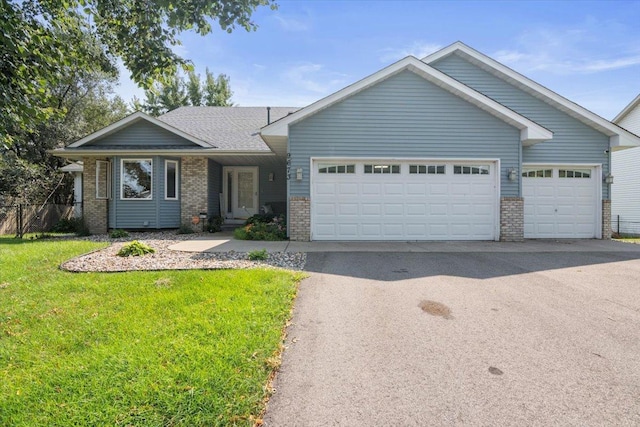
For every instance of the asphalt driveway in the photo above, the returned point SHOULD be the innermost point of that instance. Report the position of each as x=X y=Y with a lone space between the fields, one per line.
x=503 y=338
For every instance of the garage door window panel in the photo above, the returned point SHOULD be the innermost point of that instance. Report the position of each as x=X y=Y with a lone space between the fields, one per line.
x=537 y=173
x=379 y=169
x=574 y=173
x=336 y=168
x=426 y=169
x=471 y=169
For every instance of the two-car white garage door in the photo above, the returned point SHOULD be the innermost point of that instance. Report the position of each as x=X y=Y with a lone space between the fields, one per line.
x=404 y=200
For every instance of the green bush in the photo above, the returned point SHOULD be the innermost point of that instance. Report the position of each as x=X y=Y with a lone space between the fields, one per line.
x=118 y=233
x=263 y=227
x=185 y=229
x=240 y=234
x=215 y=224
x=71 y=225
x=258 y=255
x=135 y=248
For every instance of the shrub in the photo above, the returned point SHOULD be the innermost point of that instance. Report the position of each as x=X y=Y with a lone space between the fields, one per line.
x=71 y=225
x=258 y=255
x=185 y=229
x=118 y=233
x=215 y=224
x=263 y=227
x=135 y=248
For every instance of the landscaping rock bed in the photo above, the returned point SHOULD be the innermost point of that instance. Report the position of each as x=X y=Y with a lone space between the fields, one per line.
x=106 y=260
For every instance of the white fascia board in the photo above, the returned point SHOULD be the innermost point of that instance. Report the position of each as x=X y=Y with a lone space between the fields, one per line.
x=505 y=73
x=627 y=110
x=534 y=132
x=137 y=116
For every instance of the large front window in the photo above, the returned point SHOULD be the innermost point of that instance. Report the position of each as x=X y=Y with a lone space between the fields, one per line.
x=136 y=179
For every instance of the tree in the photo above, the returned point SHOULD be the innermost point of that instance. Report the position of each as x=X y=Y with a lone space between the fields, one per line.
x=177 y=92
x=141 y=33
x=80 y=103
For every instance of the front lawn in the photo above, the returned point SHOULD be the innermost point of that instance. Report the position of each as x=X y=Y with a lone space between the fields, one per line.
x=167 y=348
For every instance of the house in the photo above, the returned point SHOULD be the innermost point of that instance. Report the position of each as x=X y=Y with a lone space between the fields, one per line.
x=455 y=146
x=625 y=194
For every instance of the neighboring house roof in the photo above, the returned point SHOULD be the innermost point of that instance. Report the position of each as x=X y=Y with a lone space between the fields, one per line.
x=73 y=167
x=633 y=104
x=618 y=137
x=530 y=132
x=211 y=129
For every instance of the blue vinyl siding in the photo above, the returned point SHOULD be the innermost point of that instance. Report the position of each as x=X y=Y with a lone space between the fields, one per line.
x=403 y=116
x=132 y=214
x=573 y=141
x=140 y=134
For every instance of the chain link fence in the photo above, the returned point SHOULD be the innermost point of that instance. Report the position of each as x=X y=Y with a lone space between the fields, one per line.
x=21 y=219
x=625 y=227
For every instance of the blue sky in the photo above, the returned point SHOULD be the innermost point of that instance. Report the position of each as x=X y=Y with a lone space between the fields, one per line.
x=588 y=52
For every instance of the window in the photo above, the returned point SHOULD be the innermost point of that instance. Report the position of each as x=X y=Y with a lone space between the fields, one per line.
x=574 y=173
x=426 y=169
x=136 y=179
x=537 y=173
x=331 y=168
x=103 y=179
x=171 y=180
x=378 y=169
x=471 y=170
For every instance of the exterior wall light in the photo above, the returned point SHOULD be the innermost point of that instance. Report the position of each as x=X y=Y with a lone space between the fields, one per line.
x=608 y=179
x=512 y=174
x=299 y=174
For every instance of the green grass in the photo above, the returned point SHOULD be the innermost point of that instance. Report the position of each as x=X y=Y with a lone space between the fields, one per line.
x=186 y=348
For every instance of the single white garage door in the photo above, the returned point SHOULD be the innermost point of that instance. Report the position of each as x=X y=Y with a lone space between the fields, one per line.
x=560 y=202
x=404 y=200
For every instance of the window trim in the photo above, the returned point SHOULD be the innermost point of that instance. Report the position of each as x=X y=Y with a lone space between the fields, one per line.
x=122 y=161
x=107 y=165
x=166 y=180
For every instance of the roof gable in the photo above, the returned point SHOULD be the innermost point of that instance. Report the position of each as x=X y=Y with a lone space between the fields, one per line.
x=530 y=132
x=629 y=108
x=130 y=120
x=618 y=137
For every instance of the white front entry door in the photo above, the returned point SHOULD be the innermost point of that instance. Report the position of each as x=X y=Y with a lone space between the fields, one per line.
x=561 y=201
x=240 y=192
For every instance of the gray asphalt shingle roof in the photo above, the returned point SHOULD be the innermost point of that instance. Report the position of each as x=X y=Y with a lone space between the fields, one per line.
x=226 y=128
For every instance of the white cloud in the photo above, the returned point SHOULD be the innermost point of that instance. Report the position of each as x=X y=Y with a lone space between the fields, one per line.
x=314 y=78
x=418 y=49
x=572 y=50
x=289 y=23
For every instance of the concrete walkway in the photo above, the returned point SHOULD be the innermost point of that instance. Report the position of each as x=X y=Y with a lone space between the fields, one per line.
x=224 y=242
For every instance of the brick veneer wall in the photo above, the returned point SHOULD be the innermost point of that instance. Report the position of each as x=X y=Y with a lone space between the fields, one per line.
x=606 y=220
x=94 y=210
x=511 y=219
x=300 y=219
x=193 y=188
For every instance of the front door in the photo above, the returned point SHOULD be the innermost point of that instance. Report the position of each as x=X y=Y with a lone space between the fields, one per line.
x=240 y=192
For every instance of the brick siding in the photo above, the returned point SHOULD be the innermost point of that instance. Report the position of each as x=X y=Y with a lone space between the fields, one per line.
x=94 y=210
x=606 y=219
x=193 y=189
x=300 y=219
x=511 y=219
